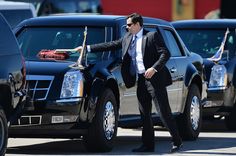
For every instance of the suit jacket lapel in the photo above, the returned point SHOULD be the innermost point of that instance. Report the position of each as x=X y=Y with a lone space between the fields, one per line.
x=129 y=38
x=144 y=41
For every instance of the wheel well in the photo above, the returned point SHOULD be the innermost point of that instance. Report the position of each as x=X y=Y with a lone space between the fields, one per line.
x=198 y=81
x=114 y=87
x=6 y=100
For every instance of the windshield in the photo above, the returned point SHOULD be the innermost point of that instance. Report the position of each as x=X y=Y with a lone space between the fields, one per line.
x=33 y=40
x=206 y=42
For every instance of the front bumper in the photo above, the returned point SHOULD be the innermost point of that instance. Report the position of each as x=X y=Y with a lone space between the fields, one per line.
x=52 y=112
x=221 y=96
x=216 y=94
x=215 y=98
x=66 y=130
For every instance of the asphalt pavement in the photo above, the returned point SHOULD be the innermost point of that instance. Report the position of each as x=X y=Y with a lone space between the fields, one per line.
x=213 y=140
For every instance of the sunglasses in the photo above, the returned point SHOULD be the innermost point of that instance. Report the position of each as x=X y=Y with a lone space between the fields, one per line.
x=129 y=25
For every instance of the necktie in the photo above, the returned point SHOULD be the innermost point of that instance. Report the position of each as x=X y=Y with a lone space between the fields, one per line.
x=132 y=53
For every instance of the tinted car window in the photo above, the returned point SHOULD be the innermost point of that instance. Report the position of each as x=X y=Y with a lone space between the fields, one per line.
x=149 y=28
x=33 y=40
x=207 y=42
x=8 y=43
x=16 y=16
x=172 y=45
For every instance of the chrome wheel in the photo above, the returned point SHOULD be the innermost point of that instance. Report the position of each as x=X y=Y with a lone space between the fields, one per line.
x=103 y=129
x=195 y=112
x=109 y=120
x=189 y=123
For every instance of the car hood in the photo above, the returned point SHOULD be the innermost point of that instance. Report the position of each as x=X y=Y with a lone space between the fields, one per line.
x=59 y=68
x=47 y=67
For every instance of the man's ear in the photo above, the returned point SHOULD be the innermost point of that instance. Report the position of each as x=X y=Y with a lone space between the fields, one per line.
x=138 y=24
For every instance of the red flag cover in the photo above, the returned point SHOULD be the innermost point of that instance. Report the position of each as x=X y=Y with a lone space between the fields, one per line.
x=52 y=55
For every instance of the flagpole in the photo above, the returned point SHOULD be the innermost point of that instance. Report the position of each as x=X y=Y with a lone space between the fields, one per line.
x=218 y=55
x=82 y=53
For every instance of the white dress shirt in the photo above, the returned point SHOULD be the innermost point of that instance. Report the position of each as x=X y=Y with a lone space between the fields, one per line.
x=139 y=56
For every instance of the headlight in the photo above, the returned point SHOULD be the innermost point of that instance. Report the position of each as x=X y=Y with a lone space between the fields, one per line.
x=218 y=76
x=72 y=85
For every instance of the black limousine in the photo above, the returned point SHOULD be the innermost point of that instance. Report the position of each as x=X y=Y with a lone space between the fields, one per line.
x=92 y=102
x=12 y=81
x=215 y=41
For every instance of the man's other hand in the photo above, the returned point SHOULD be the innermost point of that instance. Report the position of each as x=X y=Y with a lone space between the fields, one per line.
x=149 y=73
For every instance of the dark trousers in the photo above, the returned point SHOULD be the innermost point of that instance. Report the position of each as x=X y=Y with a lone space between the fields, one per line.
x=146 y=92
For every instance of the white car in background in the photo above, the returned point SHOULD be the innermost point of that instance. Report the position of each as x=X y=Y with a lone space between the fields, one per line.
x=15 y=12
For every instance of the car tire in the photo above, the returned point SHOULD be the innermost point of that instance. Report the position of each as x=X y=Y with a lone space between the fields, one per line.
x=230 y=120
x=3 y=132
x=103 y=129
x=190 y=121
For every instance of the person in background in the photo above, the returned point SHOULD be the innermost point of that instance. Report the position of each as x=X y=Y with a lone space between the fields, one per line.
x=145 y=55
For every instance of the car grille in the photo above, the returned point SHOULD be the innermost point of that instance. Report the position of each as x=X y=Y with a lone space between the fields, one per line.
x=39 y=86
x=28 y=120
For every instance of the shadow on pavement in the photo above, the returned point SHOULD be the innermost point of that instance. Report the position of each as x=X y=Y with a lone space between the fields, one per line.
x=124 y=145
x=204 y=145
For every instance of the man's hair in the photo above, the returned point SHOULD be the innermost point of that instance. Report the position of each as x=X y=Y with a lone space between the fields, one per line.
x=135 y=18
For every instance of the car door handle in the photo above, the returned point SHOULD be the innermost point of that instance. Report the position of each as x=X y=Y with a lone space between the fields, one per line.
x=173 y=70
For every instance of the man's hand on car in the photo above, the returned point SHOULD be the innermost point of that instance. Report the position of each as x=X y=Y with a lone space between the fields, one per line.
x=79 y=49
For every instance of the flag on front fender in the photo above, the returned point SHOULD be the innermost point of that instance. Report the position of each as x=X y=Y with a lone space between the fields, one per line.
x=218 y=54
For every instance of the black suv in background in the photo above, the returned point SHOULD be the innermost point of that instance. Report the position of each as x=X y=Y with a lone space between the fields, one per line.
x=15 y=12
x=12 y=81
x=92 y=103
x=205 y=37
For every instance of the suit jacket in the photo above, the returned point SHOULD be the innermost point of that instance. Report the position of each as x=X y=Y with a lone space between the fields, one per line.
x=155 y=54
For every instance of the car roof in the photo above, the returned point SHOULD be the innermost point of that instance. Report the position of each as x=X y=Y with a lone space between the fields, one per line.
x=204 y=23
x=78 y=19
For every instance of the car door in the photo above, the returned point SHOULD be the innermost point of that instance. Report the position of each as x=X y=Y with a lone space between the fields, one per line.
x=171 y=65
x=175 y=67
x=128 y=100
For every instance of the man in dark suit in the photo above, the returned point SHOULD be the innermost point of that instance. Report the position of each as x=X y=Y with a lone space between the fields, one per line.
x=145 y=55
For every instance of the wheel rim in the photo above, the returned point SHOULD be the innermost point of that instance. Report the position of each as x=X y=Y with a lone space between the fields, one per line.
x=195 y=112
x=1 y=133
x=109 y=120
